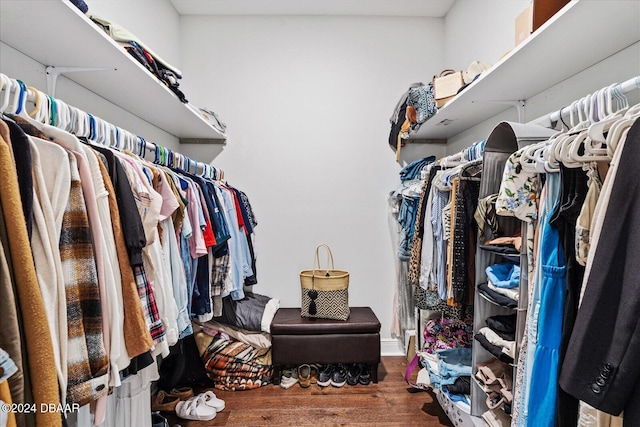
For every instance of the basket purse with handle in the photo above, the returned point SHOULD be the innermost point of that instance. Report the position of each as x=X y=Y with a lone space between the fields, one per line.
x=325 y=291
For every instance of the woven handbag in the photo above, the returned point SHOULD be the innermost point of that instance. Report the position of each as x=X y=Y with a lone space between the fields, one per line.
x=325 y=291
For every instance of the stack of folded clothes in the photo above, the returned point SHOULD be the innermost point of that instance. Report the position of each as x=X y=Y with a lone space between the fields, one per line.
x=165 y=72
x=450 y=370
x=498 y=337
x=496 y=380
x=502 y=285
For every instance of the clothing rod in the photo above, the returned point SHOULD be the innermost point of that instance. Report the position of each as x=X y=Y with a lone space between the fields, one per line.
x=14 y=95
x=619 y=88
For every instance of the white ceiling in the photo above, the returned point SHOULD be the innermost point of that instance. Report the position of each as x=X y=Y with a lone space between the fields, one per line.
x=423 y=8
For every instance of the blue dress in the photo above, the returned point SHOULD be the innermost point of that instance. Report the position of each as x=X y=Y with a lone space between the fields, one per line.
x=543 y=387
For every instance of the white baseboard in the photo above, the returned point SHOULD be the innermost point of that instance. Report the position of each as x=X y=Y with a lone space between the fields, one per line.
x=391 y=347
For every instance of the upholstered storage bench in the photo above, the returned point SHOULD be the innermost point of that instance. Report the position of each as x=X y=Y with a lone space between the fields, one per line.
x=296 y=340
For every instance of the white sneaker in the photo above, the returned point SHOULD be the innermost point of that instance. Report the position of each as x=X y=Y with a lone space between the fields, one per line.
x=289 y=378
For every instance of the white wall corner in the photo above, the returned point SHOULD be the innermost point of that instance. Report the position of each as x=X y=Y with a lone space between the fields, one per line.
x=391 y=347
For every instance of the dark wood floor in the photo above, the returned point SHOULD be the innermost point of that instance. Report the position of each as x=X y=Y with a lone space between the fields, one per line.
x=389 y=403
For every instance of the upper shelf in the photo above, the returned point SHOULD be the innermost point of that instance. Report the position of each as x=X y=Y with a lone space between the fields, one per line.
x=55 y=32
x=580 y=35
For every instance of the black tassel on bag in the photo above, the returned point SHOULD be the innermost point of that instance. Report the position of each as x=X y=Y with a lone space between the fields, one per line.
x=313 y=294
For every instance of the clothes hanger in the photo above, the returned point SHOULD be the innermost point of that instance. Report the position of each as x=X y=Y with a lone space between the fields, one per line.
x=101 y=131
x=581 y=149
x=598 y=130
x=53 y=111
x=178 y=160
x=92 y=127
x=33 y=96
x=20 y=108
x=617 y=129
x=540 y=162
x=140 y=145
x=527 y=160
x=5 y=93
x=170 y=158
x=579 y=122
x=163 y=156
x=14 y=88
x=64 y=115
x=117 y=137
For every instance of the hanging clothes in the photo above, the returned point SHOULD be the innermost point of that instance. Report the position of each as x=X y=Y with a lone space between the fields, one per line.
x=41 y=362
x=601 y=371
x=545 y=367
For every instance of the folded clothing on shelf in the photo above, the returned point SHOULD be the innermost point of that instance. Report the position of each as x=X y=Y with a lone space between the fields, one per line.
x=496 y=380
x=512 y=243
x=504 y=275
x=453 y=363
x=80 y=4
x=508 y=347
x=165 y=72
x=490 y=373
x=503 y=325
x=512 y=293
x=210 y=117
x=462 y=385
x=446 y=366
x=506 y=250
x=497 y=298
x=495 y=350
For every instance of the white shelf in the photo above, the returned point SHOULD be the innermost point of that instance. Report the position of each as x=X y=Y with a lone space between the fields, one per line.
x=55 y=32
x=580 y=35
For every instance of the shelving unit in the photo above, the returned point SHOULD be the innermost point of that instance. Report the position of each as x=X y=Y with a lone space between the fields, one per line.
x=72 y=40
x=580 y=35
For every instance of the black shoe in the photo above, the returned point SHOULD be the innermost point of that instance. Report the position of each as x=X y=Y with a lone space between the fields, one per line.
x=339 y=377
x=365 y=375
x=353 y=374
x=324 y=376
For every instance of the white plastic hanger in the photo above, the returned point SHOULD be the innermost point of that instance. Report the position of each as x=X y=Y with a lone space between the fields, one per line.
x=617 y=129
x=14 y=97
x=526 y=158
x=5 y=93
x=597 y=131
x=64 y=115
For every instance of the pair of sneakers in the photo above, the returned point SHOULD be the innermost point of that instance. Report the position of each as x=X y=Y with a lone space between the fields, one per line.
x=304 y=374
x=340 y=374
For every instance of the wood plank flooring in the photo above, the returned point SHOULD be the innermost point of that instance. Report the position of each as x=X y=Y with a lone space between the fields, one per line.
x=390 y=402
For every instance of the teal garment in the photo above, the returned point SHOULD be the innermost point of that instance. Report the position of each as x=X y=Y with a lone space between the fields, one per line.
x=543 y=389
x=551 y=199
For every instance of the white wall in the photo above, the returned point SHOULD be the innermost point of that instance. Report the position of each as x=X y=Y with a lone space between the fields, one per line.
x=480 y=30
x=133 y=16
x=307 y=102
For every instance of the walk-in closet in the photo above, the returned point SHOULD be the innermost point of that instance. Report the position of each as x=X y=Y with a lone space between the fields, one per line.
x=389 y=212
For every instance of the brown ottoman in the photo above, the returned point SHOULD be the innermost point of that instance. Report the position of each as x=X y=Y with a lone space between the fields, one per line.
x=296 y=340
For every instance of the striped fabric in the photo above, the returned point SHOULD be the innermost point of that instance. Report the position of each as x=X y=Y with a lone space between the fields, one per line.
x=151 y=315
x=233 y=365
x=88 y=361
x=219 y=273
